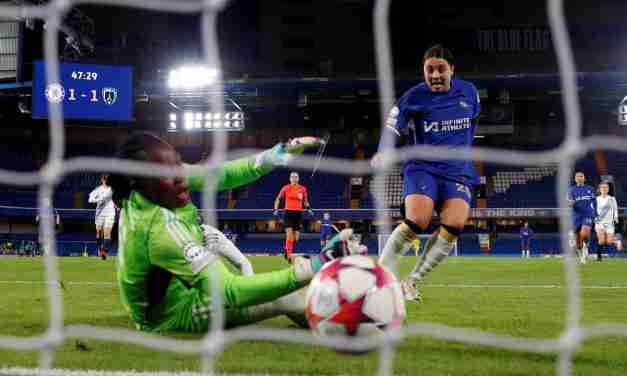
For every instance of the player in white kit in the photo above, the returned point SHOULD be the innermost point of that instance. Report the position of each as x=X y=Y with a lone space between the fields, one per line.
x=607 y=217
x=105 y=215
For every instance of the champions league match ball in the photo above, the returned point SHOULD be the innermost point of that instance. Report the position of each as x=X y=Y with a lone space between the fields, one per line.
x=354 y=296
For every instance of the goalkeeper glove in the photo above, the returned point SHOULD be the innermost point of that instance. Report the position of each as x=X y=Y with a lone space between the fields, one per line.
x=343 y=244
x=283 y=153
x=218 y=243
x=275 y=212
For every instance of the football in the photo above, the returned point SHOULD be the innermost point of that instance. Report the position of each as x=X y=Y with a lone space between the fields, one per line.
x=354 y=296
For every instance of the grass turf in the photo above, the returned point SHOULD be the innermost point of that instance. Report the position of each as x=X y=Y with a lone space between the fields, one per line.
x=451 y=297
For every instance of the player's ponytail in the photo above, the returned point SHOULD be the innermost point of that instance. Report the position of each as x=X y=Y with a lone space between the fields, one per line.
x=135 y=148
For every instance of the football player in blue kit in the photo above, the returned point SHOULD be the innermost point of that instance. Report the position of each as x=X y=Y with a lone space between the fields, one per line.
x=326 y=229
x=442 y=111
x=582 y=199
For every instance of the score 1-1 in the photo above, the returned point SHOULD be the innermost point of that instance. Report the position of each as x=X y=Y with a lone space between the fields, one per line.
x=93 y=97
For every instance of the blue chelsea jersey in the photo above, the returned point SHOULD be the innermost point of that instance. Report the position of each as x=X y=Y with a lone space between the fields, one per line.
x=585 y=200
x=439 y=119
x=526 y=232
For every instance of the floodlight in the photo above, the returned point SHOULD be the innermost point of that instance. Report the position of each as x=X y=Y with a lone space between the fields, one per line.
x=192 y=77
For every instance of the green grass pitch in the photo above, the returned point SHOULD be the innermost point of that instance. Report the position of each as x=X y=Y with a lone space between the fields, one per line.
x=451 y=297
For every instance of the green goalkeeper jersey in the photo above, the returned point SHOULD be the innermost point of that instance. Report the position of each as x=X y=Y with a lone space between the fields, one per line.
x=164 y=267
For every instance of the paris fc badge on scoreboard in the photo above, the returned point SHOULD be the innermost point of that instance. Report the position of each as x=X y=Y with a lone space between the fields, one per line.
x=109 y=95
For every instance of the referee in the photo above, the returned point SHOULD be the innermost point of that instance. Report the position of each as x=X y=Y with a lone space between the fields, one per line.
x=296 y=201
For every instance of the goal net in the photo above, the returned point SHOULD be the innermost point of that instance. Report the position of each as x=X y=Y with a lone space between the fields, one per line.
x=215 y=341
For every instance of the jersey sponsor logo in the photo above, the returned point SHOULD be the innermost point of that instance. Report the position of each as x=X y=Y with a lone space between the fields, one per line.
x=464 y=104
x=452 y=125
x=433 y=126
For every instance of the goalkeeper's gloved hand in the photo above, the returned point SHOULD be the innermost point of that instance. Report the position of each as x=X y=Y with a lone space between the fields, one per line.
x=275 y=212
x=283 y=153
x=310 y=212
x=217 y=243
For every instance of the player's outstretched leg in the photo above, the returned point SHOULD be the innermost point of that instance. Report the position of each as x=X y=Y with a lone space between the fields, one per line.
x=293 y=304
x=399 y=242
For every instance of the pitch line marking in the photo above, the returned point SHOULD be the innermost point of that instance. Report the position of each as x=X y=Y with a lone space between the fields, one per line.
x=435 y=285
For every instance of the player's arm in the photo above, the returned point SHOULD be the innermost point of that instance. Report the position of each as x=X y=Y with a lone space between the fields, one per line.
x=244 y=171
x=395 y=131
x=477 y=112
x=570 y=199
x=277 y=201
x=335 y=228
x=94 y=196
x=232 y=174
x=615 y=206
x=306 y=203
x=594 y=205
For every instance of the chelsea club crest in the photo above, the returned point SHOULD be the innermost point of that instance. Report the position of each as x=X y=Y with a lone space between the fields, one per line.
x=109 y=95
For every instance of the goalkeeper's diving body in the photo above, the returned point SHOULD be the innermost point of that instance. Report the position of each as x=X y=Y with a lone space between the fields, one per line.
x=442 y=111
x=166 y=257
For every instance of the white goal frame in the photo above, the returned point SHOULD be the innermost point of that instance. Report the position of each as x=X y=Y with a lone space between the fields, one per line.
x=212 y=345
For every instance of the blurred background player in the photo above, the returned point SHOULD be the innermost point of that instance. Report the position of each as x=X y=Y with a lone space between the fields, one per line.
x=607 y=217
x=442 y=111
x=326 y=229
x=296 y=202
x=526 y=233
x=582 y=199
x=105 y=215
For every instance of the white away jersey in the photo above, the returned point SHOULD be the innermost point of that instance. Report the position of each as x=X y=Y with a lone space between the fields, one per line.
x=102 y=196
x=607 y=210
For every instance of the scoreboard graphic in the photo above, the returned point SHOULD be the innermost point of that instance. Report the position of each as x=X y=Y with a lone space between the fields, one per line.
x=86 y=91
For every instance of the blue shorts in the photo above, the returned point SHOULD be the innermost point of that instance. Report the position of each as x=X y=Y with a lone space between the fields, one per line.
x=525 y=243
x=437 y=188
x=579 y=221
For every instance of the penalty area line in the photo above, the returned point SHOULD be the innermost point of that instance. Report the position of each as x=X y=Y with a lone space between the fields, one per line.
x=435 y=285
x=88 y=372
x=508 y=286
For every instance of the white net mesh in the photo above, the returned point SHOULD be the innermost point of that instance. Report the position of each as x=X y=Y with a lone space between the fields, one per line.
x=216 y=339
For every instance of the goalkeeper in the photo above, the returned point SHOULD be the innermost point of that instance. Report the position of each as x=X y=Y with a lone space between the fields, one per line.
x=166 y=257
